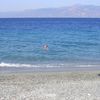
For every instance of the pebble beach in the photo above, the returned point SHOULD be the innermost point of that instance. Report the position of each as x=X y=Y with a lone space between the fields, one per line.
x=50 y=86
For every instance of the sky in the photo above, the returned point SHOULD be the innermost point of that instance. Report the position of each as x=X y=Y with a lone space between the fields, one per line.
x=20 y=5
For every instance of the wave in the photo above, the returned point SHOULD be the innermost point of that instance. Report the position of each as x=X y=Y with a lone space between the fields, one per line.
x=3 y=64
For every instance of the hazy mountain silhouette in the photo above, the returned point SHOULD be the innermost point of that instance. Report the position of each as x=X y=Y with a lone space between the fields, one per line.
x=87 y=11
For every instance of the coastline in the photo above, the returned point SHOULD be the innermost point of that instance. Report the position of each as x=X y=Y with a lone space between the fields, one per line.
x=48 y=69
x=68 y=70
x=68 y=85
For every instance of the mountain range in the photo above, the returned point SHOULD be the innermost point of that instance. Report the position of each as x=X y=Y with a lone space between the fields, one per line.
x=74 y=11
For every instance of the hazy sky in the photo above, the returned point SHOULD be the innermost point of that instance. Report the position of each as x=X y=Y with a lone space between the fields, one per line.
x=16 y=5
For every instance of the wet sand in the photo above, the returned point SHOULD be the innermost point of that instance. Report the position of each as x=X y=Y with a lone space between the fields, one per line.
x=50 y=86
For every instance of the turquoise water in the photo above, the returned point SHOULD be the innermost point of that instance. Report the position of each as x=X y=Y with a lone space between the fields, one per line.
x=70 y=42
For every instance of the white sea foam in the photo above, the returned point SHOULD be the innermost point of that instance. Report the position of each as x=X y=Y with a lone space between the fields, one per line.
x=2 y=64
x=51 y=65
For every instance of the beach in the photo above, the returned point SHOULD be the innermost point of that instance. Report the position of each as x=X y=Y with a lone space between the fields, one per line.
x=49 y=59
x=75 y=85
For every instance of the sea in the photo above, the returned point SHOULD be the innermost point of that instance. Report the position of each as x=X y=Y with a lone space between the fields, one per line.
x=73 y=43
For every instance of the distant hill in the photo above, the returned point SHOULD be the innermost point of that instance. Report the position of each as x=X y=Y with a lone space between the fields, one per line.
x=82 y=11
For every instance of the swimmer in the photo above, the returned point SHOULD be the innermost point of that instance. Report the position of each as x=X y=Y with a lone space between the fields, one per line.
x=45 y=47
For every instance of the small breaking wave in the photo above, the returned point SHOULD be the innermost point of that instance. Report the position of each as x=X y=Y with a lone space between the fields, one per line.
x=51 y=65
x=2 y=64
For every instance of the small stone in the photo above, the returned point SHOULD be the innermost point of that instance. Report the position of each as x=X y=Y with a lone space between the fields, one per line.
x=89 y=94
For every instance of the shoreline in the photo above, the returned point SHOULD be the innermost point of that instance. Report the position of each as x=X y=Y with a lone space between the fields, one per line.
x=46 y=69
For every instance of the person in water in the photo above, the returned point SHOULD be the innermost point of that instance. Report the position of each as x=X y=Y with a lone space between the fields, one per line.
x=45 y=47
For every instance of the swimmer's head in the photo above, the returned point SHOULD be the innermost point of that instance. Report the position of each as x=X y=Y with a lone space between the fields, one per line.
x=45 y=47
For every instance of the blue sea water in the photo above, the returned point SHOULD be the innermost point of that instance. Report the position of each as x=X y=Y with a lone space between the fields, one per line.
x=71 y=42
